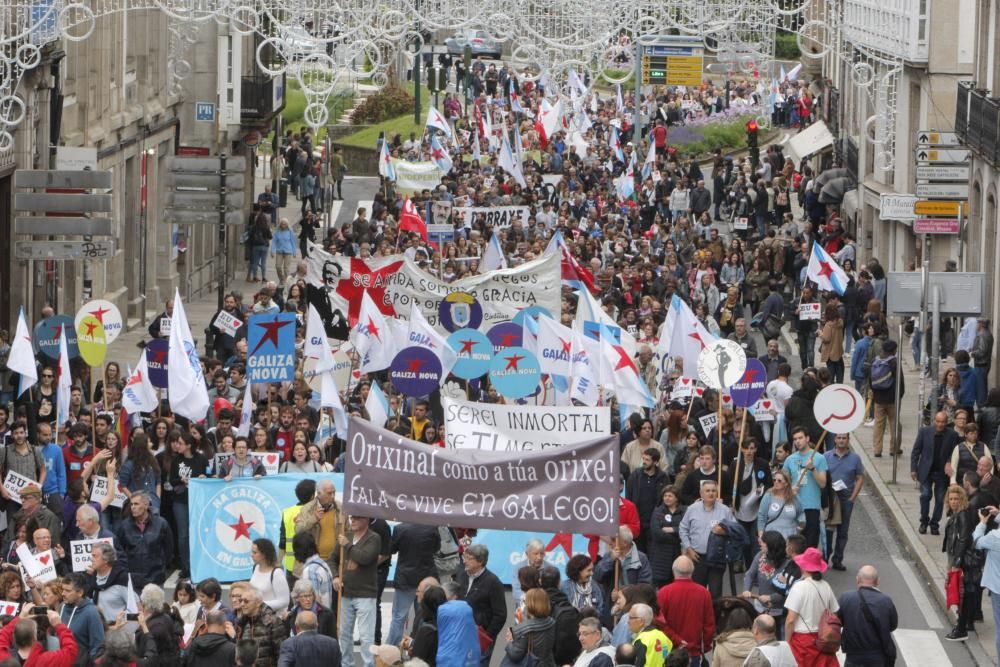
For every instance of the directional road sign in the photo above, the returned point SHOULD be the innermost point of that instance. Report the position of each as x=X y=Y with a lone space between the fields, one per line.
x=938 y=208
x=935 y=226
x=936 y=172
x=934 y=155
x=62 y=226
x=935 y=138
x=943 y=190
x=64 y=249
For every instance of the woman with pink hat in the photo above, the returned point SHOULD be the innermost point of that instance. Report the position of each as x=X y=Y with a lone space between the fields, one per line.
x=811 y=627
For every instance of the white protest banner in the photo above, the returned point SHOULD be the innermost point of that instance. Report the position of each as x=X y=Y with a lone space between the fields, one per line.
x=40 y=567
x=741 y=223
x=708 y=422
x=416 y=176
x=164 y=327
x=683 y=388
x=764 y=410
x=227 y=322
x=396 y=281
x=14 y=482
x=809 y=311
x=219 y=459
x=79 y=552
x=527 y=428
x=497 y=217
x=270 y=460
x=9 y=608
x=101 y=489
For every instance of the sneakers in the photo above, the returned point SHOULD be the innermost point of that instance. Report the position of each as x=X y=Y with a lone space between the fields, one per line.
x=869 y=422
x=935 y=530
x=957 y=635
x=922 y=529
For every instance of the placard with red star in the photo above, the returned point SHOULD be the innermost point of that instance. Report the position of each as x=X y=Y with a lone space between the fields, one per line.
x=271 y=346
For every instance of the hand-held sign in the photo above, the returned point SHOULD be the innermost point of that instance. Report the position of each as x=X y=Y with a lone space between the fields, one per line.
x=839 y=408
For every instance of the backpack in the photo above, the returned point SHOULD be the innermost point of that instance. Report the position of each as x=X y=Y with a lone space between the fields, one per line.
x=829 y=632
x=882 y=376
x=567 y=645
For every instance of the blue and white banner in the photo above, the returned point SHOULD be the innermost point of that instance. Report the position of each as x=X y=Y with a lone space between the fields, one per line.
x=271 y=341
x=226 y=518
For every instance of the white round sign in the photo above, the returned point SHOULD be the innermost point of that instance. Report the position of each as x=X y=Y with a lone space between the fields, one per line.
x=106 y=313
x=721 y=364
x=839 y=408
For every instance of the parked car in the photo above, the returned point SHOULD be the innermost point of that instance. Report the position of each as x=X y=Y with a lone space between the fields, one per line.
x=299 y=41
x=480 y=41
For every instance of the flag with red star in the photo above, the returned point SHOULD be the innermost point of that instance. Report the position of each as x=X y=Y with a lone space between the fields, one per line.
x=21 y=359
x=65 y=382
x=439 y=154
x=688 y=338
x=620 y=373
x=422 y=334
x=372 y=338
x=410 y=220
x=186 y=387
x=386 y=168
x=271 y=342
x=139 y=394
x=825 y=272
x=437 y=121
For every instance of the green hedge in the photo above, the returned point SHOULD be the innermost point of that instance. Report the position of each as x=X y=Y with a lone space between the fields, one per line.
x=786 y=46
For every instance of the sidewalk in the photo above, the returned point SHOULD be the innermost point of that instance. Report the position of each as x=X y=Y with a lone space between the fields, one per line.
x=902 y=502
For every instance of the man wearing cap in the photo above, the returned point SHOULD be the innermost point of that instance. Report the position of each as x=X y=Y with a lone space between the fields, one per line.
x=357 y=582
x=32 y=509
x=885 y=400
x=385 y=656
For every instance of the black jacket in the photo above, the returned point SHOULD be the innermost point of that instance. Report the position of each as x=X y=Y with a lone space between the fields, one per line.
x=761 y=472
x=567 y=623
x=487 y=599
x=165 y=632
x=863 y=642
x=922 y=456
x=211 y=650
x=664 y=547
x=309 y=648
x=799 y=412
x=416 y=545
x=148 y=551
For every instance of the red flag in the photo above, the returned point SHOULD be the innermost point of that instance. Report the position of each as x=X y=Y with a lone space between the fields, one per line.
x=410 y=220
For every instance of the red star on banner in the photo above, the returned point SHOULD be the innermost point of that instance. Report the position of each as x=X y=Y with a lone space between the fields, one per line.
x=90 y=327
x=512 y=362
x=467 y=346
x=373 y=330
x=135 y=379
x=99 y=314
x=825 y=270
x=160 y=356
x=566 y=345
x=437 y=154
x=271 y=335
x=507 y=340
x=697 y=337
x=750 y=374
x=57 y=330
x=564 y=540
x=624 y=360
x=242 y=528
x=363 y=279
x=415 y=364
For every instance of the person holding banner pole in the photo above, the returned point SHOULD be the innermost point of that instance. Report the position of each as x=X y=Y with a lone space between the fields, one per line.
x=357 y=584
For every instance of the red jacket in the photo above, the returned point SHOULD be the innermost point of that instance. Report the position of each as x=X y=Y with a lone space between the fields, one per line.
x=628 y=515
x=63 y=657
x=686 y=615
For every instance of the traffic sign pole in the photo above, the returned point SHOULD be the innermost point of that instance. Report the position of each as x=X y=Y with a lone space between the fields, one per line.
x=223 y=255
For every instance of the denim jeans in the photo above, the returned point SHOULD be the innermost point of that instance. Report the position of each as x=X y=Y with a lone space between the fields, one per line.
x=836 y=369
x=936 y=484
x=995 y=599
x=363 y=611
x=258 y=261
x=183 y=534
x=402 y=602
x=837 y=548
x=981 y=373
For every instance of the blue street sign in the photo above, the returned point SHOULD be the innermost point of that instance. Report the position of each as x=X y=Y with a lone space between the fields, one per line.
x=204 y=111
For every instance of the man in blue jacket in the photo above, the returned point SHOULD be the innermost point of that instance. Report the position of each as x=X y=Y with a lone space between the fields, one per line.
x=869 y=617
x=54 y=487
x=80 y=615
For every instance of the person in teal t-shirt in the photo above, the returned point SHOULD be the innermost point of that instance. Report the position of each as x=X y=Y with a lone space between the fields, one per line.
x=807 y=469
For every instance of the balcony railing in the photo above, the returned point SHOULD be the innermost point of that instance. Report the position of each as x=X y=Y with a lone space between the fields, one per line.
x=977 y=121
x=895 y=27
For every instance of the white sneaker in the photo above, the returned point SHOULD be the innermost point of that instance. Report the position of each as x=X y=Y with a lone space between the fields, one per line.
x=870 y=422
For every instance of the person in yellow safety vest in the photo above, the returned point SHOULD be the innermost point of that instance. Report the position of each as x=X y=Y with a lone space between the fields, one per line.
x=304 y=492
x=651 y=646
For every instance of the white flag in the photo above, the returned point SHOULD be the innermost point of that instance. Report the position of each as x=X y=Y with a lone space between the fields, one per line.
x=436 y=120
x=131 y=599
x=246 y=414
x=316 y=346
x=377 y=406
x=508 y=162
x=65 y=385
x=139 y=394
x=371 y=337
x=688 y=338
x=21 y=359
x=185 y=380
x=493 y=257
x=422 y=334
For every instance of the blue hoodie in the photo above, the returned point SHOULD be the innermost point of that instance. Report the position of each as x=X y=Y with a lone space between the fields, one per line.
x=458 y=639
x=84 y=621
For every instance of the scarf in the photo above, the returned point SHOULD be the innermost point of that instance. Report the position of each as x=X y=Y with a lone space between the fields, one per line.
x=582 y=594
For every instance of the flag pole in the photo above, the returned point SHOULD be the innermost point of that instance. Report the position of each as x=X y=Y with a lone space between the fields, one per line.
x=739 y=454
x=718 y=427
x=340 y=573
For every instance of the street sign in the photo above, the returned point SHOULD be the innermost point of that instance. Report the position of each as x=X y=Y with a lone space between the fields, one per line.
x=943 y=190
x=960 y=293
x=60 y=250
x=203 y=199
x=204 y=111
x=935 y=138
x=673 y=64
x=48 y=178
x=65 y=226
x=934 y=172
x=937 y=155
x=43 y=202
x=203 y=182
x=937 y=208
x=205 y=165
x=935 y=226
x=896 y=207
x=70 y=158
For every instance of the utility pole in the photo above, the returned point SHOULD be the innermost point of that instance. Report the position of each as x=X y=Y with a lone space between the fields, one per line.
x=636 y=120
x=223 y=254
